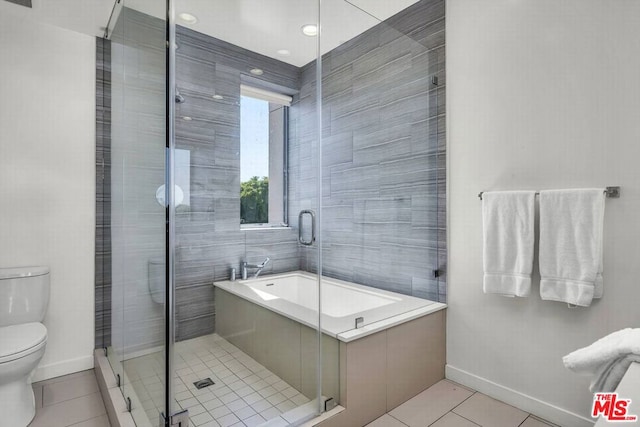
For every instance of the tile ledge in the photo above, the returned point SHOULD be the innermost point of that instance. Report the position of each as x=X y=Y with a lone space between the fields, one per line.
x=324 y=416
x=113 y=400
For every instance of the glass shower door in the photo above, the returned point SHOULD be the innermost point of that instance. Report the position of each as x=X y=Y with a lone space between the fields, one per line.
x=238 y=358
x=383 y=142
x=139 y=209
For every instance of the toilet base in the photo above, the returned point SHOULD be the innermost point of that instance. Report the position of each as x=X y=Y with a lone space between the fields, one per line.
x=17 y=403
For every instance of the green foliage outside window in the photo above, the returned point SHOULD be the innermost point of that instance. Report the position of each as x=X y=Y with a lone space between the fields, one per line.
x=254 y=201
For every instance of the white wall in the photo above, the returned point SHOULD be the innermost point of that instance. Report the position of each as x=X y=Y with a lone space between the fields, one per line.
x=47 y=177
x=541 y=94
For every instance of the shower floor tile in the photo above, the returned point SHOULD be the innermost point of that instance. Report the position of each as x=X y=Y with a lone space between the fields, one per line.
x=244 y=392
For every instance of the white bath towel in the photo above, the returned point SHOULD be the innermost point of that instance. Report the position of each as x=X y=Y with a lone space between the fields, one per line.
x=589 y=359
x=606 y=359
x=508 y=230
x=609 y=376
x=571 y=228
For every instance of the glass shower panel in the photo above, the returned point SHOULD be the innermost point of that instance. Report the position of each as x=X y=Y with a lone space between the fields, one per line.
x=383 y=149
x=103 y=194
x=137 y=354
x=115 y=352
x=238 y=75
x=115 y=88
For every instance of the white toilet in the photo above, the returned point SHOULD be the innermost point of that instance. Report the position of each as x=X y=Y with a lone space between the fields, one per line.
x=24 y=296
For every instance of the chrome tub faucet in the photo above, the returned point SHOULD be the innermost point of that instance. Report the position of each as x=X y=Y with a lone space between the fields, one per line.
x=245 y=266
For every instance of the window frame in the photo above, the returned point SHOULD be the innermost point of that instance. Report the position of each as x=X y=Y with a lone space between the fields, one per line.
x=285 y=102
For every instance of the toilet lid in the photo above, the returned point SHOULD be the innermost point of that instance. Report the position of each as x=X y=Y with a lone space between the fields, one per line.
x=16 y=339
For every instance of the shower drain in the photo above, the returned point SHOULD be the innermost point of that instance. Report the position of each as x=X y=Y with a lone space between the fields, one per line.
x=203 y=383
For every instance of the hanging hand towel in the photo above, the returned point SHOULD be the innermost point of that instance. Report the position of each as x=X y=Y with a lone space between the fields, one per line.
x=571 y=227
x=507 y=219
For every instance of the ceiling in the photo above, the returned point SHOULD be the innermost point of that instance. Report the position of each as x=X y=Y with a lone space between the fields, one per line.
x=267 y=26
x=262 y=26
x=84 y=16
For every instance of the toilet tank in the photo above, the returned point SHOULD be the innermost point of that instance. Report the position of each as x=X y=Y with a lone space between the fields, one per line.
x=24 y=295
x=156 y=278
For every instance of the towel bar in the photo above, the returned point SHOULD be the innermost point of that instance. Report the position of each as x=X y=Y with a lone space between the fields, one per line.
x=610 y=192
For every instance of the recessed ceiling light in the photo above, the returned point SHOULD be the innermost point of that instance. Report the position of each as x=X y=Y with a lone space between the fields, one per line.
x=187 y=18
x=216 y=96
x=284 y=52
x=310 y=30
x=256 y=71
x=187 y=118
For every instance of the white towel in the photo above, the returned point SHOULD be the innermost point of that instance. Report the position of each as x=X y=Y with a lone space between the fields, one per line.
x=508 y=221
x=571 y=228
x=609 y=376
x=607 y=359
x=589 y=359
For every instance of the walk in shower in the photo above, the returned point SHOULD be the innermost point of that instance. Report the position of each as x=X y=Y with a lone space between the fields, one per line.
x=271 y=189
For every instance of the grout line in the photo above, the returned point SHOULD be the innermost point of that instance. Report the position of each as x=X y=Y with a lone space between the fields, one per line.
x=461 y=416
x=452 y=409
x=541 y=420
x=473 y=394
x=67 y=400
x=396 y=419
x=88 y=419
x=439 y=418
x=467 y=419
x=455 y=413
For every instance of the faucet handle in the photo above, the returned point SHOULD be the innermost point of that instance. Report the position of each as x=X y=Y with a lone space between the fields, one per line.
x=265 y=262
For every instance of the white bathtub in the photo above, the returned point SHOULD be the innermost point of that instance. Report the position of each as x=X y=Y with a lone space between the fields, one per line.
x=295 y=295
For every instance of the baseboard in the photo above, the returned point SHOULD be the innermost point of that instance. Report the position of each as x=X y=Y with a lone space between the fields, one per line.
x=52 y=370
x=522 y=401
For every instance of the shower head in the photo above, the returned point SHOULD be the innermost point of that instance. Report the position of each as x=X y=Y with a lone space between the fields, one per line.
x=179 y=98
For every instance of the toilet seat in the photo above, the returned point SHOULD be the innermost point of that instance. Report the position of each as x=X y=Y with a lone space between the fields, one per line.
x=18 y=341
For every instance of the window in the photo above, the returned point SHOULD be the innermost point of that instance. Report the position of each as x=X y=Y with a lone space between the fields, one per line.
x=263 y=146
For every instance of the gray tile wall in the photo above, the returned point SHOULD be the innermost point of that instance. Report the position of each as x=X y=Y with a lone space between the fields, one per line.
x=103 y=194
x=383 y=137
x=383 y=184
x=209 y=240
x=208 y=236
x=138 y=121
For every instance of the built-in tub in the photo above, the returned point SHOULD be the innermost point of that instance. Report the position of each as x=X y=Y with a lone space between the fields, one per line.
x=397 y=353
x=295 y=295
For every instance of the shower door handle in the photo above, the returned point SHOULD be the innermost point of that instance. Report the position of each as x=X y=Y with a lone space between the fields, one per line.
x=313 y=227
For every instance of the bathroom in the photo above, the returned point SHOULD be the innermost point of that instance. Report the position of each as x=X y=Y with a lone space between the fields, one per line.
x=120 y=157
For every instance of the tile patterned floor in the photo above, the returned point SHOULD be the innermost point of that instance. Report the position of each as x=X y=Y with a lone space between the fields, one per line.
x=245 y=393
x=447 y=404
x=74 y=400
x=71 y=400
